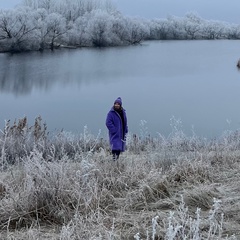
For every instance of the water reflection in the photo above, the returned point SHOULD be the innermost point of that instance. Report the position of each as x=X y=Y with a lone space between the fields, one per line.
x=20 y=73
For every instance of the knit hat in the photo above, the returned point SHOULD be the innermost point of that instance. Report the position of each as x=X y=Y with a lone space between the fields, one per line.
x=118 y=100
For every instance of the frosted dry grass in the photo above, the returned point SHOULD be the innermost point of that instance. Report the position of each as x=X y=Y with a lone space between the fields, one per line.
x=126 y=203
x=162 y=188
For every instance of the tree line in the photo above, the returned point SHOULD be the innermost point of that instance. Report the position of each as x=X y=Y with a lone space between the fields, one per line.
x=48 y=24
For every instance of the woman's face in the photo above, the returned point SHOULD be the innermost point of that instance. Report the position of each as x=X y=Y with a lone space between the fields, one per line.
x=117 y=106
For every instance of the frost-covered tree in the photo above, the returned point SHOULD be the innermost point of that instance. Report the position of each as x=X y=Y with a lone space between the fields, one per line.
x=16 y=28
x=159 y=29
x=192 y=24
x=99 y=28
x=6 y=24
x=213 y=29
x=78 y=34
x=49 y=5
x=232 y=31
x=56 y=28
x=120 y=31
x=176 y=27
x=138 y=30
x=71 y=9
x=30 y=3
x=42 y=26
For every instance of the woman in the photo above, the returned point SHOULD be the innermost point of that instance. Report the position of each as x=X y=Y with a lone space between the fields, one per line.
x=116 y=123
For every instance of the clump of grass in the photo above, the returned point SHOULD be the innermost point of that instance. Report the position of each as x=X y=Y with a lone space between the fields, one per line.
x=17 y=141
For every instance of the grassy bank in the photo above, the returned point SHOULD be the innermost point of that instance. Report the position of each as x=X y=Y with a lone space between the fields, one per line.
x=67 y=187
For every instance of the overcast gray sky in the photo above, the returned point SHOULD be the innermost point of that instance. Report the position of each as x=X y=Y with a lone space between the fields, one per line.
x=224 y=10
x=4 y=4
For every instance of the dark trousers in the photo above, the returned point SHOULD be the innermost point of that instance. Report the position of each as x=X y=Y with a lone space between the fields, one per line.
x=115 y=154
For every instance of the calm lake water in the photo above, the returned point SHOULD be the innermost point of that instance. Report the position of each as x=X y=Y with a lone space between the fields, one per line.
x=195 y=81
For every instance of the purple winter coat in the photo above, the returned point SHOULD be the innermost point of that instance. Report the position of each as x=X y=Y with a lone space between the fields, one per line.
x=114 y=125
